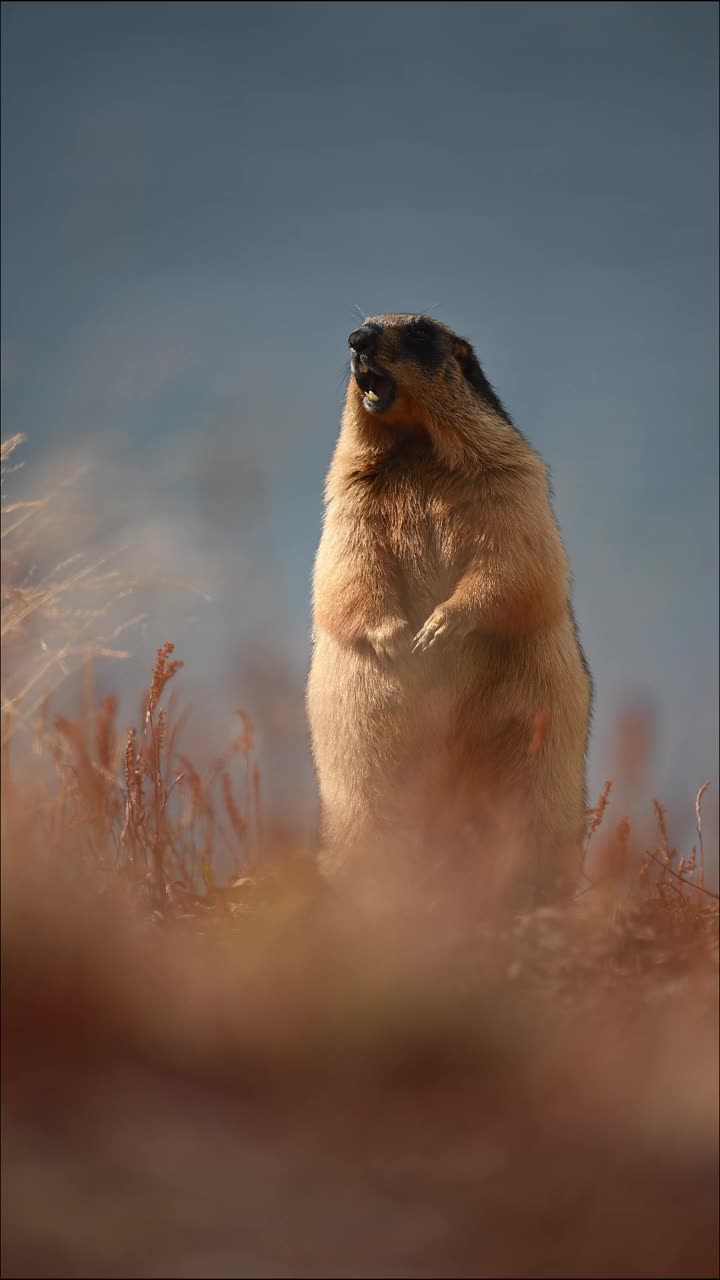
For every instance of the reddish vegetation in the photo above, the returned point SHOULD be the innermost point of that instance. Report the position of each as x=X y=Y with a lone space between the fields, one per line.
x=211 y=1068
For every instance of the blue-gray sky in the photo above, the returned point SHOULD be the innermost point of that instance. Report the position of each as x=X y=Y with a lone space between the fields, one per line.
x=196 y=195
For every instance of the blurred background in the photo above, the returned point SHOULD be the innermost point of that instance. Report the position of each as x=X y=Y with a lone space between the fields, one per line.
x=197 y=196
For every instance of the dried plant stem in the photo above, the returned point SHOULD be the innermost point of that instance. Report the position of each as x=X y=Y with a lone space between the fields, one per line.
x=597 y=814
x=671 y=871
x=698 y=816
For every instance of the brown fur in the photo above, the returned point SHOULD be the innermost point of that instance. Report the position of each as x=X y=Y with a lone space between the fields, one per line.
x=438 y=522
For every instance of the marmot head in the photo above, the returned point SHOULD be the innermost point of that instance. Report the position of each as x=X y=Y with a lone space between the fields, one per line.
x=414 y=371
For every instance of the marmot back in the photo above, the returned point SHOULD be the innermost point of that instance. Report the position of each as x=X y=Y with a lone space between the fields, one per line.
x=448 y=698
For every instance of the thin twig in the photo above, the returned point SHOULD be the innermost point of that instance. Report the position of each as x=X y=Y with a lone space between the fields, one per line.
x=698 y=800
x=666 y=867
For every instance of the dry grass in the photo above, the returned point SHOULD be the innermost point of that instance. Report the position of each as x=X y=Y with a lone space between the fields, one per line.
x=55 y=614
x=212 y=1068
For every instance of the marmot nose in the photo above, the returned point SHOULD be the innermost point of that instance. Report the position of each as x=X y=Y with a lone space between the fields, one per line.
x=363 y=341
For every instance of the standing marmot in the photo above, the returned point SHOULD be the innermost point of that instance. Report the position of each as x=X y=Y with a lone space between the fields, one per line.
x=448 y=694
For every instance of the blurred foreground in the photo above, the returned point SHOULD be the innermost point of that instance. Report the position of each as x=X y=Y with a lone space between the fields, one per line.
x=214 y=1068
x=269 y=1089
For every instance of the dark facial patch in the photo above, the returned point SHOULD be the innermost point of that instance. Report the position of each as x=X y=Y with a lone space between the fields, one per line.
x=472 y=371
x=421 y=341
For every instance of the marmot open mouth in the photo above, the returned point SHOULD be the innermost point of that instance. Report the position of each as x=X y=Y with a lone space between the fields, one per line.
x=377 y=386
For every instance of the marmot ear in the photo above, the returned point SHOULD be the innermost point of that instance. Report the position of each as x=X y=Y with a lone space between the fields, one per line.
x=469 y=363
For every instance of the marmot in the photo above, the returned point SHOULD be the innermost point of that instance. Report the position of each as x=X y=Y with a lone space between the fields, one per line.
x=448 y=694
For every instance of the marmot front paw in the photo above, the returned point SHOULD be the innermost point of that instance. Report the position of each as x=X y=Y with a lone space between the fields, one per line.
x=441 y=624
x=391 y=641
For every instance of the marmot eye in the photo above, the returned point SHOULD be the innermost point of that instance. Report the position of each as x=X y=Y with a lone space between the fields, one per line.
x=419 y=342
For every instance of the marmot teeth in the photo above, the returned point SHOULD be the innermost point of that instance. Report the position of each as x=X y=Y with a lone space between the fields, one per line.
x=371 y=395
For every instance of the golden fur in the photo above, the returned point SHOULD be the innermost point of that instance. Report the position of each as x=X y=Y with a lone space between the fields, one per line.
x=448 y=696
